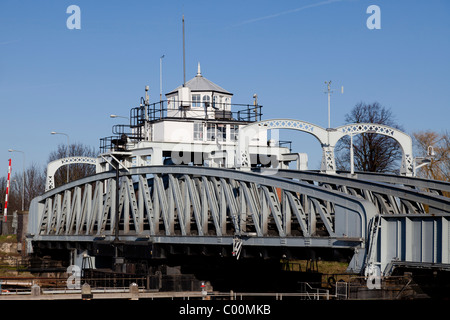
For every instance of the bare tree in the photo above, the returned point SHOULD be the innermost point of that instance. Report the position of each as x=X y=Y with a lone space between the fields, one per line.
x=372 y=152
x=34 y=182
x=439 y=166
x=3 y=184
x=15 y=193
x=34 y=185
x=76 y=171
x=35 y=177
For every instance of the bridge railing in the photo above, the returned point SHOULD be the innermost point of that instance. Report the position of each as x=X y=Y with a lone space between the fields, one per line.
x=223 y=111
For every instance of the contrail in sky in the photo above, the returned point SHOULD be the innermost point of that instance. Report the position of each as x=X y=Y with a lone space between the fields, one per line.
x=318 y=4
x=8 y=42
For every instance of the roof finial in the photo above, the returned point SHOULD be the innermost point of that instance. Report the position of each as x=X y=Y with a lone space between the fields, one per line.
x=199 y=72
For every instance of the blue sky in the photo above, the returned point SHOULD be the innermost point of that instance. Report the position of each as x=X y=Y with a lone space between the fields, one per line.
x=56 y=79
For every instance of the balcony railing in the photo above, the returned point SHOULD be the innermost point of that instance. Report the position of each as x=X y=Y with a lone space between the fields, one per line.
x=134 y=131
x=185 y=109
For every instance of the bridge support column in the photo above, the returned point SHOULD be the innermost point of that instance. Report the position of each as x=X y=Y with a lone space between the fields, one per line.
x=357 y=261
x=328 y=162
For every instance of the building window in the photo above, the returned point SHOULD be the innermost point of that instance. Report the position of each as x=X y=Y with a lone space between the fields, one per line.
x=215 y=102
x=220 y=102
x=198 y=131
x=211 y=132
x=234 y=132
x=221 y=132
x=227 y=103
x=172 y=103
x=196 y=100
x=206 y=101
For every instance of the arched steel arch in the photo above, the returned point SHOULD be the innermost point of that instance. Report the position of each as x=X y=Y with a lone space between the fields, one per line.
x=402 y=138
x=199 y=205
x=53 y=166
x=248 y=132
x=327 y=138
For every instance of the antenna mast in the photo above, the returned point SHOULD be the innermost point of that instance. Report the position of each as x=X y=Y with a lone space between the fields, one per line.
x=184 y=58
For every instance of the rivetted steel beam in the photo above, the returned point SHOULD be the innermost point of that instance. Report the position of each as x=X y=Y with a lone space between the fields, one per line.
x=437 y=186
x=438 y=203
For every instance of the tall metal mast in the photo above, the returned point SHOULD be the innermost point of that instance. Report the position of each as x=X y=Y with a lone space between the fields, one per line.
x=184 y=57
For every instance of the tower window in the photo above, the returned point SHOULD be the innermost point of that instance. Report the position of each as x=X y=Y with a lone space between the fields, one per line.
x=234 y=132
x=206 y=101
x=227 y=103
x=221 y=132
x=198 y=131
x=211 y=132
x=196 y=100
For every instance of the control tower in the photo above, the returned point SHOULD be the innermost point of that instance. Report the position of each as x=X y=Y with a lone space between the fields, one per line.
x=197 y=124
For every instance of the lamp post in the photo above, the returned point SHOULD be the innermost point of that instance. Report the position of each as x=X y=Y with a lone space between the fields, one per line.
x=352 y=157
x=68 y=150
x=160 y=77
x=422 y=161
x=23 y=176
x=116 y=116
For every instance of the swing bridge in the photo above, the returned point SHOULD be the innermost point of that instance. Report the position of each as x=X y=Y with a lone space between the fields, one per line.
x=377 y=222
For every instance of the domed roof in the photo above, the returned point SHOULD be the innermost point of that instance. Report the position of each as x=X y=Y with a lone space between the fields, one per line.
x=200 y=83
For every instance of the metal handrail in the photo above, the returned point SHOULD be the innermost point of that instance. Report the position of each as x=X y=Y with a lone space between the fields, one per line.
x=158 y=110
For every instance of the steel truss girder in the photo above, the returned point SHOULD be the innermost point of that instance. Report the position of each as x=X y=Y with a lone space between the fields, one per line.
x=382 y=215
x=199 y=201
x=437 y=187
x=388 y=198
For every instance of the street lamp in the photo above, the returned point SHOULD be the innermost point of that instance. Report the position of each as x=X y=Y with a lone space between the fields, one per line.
x=116 y=116
x=68 y=150
x=160 y=77
x=422 y=161
x=352 y=156
x=23 y=176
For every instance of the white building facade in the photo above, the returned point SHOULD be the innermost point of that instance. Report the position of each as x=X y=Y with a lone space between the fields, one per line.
x=197 y=125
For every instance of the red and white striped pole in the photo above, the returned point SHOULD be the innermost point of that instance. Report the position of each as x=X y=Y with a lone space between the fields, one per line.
x=7 y=190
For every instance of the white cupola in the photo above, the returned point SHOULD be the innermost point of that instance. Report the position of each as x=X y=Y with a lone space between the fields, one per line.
x=199 y=98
